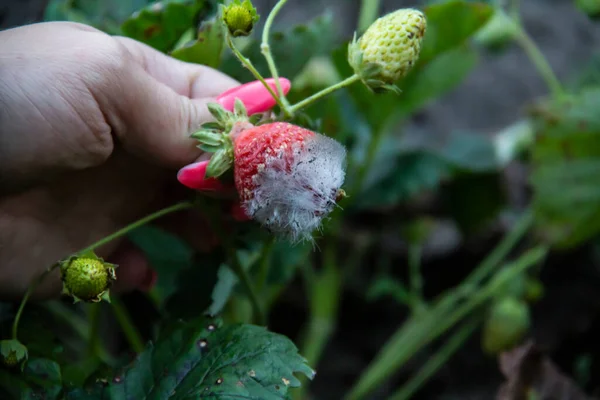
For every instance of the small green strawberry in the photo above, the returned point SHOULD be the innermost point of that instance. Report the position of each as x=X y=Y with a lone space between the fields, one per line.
x=87 y=278
x=506 y=325
x=13 y=353
x=388 y=49
x=240 y=17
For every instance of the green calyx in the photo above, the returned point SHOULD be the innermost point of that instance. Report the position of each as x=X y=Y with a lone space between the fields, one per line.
x=14 y=353
x=388 y=50
x=368 y=72
x=87 y=278
x=240 y=17
x=216 y=137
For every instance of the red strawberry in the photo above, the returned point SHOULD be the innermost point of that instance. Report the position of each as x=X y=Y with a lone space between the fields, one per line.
x=254 y=146
x=288 y=178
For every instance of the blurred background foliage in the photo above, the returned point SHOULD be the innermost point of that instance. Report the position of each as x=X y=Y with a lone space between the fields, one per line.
x=474 y=211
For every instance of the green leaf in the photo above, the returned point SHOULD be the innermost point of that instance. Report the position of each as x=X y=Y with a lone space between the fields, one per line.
x=291 y=50
x=201 y=359
x=450 y=25
x=106 y=15
x=41 y=379
x=474 y=200
x=410 y=173
x=167 y=254
x=161 y=24
x=430 y=81
x=226 y=282
x=566 y=168
x=194 y=287
x=207 y=48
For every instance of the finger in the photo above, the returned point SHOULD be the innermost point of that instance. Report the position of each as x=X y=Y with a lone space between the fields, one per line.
x=254 y=95
x=186 y=79
x=256 y=99
x=152 y=113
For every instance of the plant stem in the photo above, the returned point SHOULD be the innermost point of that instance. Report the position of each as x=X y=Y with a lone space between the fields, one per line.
x=324 y=92
x=131 y=333
x=538 y=60
x=265 y=265
x=137 y=224
x=242 y=274
x=103 y=241
x=414 y=268
x=28 y=293
x=266 y=51
x=501 y=251
x=421 y=330
x=369 y=10
x=248 y=64
x=94 y=336
x=434 y=363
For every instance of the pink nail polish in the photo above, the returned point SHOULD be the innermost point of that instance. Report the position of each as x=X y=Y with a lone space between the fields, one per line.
x=193 y=176
x=254 y=95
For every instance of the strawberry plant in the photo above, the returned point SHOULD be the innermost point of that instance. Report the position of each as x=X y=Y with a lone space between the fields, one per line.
x=307 y=175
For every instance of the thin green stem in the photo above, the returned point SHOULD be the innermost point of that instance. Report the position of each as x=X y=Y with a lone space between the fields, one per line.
x=94 y=337
x=129 y=330
x=422 y=329
x=540 y=62
x=502 y=250
x=369 y=10
x=346 y=82
x=266 y=51
x=414 y=268
x=28 y=293
x=137 y=224
x=264 y=265
x=248 y=64
x=103 y=241
x=436 y=362
x=242 y=274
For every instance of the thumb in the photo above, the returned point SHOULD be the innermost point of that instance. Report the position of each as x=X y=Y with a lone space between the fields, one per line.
x=159 y=102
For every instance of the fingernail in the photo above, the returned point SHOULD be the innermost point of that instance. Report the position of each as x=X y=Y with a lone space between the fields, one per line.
x=194 y=177
x=254 y=95
x=238 y=213
x=149 y=280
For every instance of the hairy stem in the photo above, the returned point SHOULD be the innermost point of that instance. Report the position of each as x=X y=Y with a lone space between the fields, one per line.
x=369 y=10
x=137 y=224
x=248 y=64
x=103 y=241
x=129 y=330
x=309 y=100
x=266 y=51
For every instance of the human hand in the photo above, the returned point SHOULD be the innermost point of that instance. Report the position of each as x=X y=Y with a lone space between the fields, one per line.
x=92 y=130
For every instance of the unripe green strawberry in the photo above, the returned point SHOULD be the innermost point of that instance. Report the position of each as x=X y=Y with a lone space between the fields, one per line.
x=13 y=353
x=87 y=278
x=240 y=17
x=388 y=49
x=506 y=325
